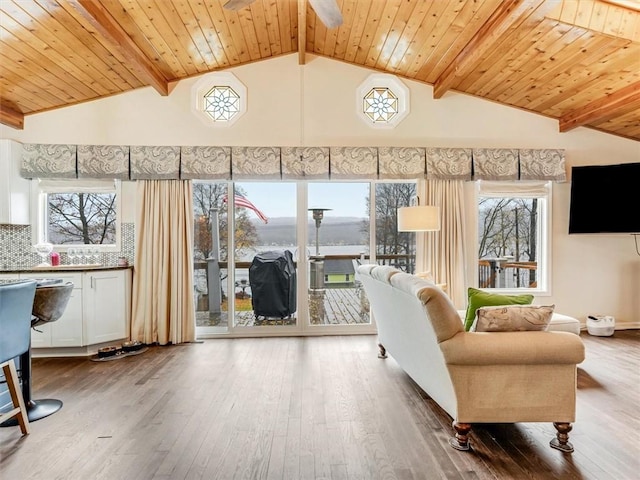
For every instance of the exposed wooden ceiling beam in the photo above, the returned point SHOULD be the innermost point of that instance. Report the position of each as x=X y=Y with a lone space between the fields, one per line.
x=11 y=117
x=500 y=21
x=103 y=21
x=602 y=109
x=302 y=31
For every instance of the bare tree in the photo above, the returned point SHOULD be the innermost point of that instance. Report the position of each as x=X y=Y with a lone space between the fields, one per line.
x=390 y=197
x=508 y=227
x=85 y=218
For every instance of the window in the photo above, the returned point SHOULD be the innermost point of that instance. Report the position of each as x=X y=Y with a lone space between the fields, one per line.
x=380 y=105
x=78 y=212
x=221 y=103
x=219 y=99
x=382 y=101
x=514 y=221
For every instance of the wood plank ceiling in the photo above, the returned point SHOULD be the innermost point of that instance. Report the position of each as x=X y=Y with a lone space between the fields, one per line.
x=577 y=61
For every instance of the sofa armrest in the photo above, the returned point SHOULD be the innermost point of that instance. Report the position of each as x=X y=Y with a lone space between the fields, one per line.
x=513 y=348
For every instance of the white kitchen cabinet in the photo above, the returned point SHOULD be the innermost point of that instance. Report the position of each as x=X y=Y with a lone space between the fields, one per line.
x=68 y=330
x=105 y=306
x=98 y=311
x=14 y=190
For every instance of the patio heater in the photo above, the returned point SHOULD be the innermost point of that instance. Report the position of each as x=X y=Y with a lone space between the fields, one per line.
x=316 y=281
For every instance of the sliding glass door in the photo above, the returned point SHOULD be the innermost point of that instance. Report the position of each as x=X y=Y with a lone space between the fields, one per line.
x=265 y=272
x=338 y=241
x=280 y=258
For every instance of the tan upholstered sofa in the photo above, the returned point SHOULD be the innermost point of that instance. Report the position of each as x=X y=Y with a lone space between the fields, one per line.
x=476 y=377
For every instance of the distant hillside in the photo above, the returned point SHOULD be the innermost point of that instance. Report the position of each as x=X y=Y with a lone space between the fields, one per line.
x=333 y=231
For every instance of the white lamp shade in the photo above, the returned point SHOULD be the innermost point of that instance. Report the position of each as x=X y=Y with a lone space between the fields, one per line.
x=418 y=219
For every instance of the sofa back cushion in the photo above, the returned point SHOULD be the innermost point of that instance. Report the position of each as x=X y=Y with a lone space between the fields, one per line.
x=442 y=314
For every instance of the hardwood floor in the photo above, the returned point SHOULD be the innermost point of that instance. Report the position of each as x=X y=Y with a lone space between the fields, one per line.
x=305 y=408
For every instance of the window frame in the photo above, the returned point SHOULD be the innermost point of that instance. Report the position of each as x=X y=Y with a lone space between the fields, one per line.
x=220 y=80
x=543 y=191
x=41 y=188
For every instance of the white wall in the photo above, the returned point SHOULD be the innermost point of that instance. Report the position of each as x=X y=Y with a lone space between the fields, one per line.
x=314 y=104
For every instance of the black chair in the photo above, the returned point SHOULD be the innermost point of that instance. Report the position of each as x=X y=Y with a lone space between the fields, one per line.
x=16 y=301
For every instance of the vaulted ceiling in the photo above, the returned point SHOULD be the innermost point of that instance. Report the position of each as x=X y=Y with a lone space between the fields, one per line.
x=577 y=61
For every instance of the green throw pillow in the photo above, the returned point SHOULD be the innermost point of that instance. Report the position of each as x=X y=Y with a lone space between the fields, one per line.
x=479 y=298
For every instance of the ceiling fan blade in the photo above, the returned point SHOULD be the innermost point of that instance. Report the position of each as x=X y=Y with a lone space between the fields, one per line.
x=237 y=4
x=328 y=12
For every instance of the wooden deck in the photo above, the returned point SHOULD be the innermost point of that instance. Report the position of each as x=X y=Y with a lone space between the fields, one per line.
x=334 y=306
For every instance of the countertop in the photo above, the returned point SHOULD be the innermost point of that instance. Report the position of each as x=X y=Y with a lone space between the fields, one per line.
x=63 y=268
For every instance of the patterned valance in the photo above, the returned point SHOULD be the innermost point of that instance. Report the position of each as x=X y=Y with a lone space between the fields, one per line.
x=544 y=164
x=305 y=163
x=48 y=161
x=495 y=164
x=103 y=161
x=291 y=163
x=205 y=163
x=449 y=163
x=401 y=162
x=255 y=163
x=155 y=163
x=354 y=163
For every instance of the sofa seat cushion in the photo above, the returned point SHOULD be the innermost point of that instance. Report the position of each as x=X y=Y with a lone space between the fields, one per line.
x=564 y=323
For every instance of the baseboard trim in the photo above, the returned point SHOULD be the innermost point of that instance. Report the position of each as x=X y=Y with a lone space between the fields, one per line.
x=619 y=326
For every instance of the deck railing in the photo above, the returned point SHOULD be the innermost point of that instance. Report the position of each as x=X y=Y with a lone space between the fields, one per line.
x=492 y=273
x=506 y=273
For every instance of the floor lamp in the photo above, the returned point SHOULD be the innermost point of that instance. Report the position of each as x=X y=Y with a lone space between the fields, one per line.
x=418 y=218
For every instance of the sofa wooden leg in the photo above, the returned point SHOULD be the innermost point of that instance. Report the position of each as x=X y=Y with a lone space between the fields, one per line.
x=461 y=440
x=383 y=351
x=561 y=442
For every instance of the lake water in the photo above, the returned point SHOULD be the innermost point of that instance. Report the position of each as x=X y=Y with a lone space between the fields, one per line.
x=311 y=250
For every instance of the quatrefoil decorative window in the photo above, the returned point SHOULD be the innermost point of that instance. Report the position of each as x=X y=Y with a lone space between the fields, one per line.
x=382 y=101
x=222 y=103
x=220 y=99
x=380 y=105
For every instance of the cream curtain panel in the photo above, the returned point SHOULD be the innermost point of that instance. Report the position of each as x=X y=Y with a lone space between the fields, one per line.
x=163 y=307
x=443 y=251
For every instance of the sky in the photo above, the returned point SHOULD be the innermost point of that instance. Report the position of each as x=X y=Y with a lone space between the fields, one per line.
x=279 y=199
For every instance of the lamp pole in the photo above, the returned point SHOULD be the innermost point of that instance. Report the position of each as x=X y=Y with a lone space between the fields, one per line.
x=317 y=263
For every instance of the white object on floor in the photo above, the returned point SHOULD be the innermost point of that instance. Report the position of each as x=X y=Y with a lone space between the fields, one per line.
x=601 y=325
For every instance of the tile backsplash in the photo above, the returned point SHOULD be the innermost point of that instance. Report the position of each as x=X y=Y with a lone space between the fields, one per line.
x=16 y=248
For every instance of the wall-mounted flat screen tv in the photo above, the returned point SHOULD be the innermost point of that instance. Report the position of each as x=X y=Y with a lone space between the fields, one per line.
x=605 y=199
